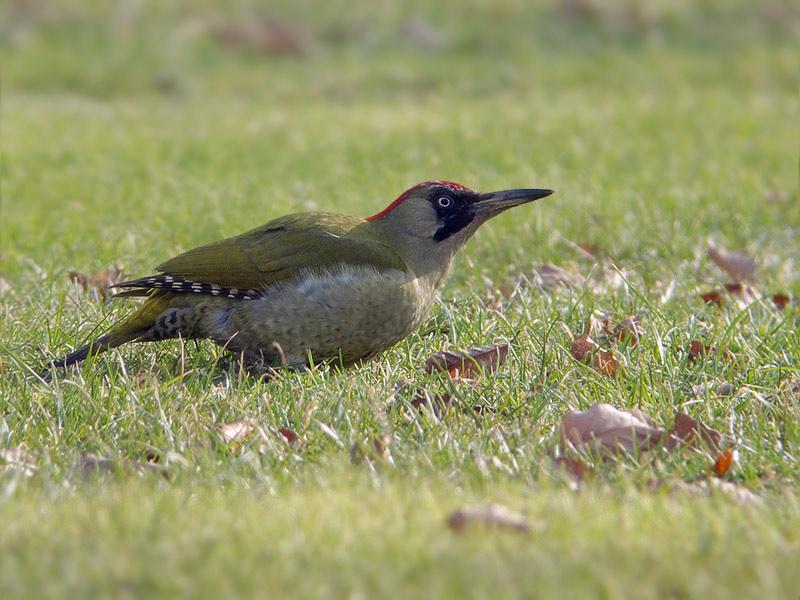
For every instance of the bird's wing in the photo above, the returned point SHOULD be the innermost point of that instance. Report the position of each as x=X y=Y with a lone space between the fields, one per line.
x=272 y=253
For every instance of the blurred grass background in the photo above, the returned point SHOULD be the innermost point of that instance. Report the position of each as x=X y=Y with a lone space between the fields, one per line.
x=132 y=130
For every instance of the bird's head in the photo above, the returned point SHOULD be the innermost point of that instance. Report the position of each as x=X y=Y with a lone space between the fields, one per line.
x=447 y=213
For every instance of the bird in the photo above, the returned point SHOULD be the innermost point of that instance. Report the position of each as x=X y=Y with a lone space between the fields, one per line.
x=311 y=287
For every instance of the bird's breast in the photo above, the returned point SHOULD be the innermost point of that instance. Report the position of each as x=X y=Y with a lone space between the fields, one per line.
x=350 y=312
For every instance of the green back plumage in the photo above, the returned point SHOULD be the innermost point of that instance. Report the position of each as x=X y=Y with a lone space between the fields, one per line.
x=278 y=250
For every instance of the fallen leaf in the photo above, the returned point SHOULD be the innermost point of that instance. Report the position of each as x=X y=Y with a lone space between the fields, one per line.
x=738 y=265
x=626 y=329
x=781 y=300
x=266 y=37
x=235 y=432
x=691 y=432
x=605 y=362
x=469 y=362
x=290 y=436
x=99 y=282
x=591 y=250
x=490 y=516
x=377 y=450
x=550 y=275
x=698 y=349
x=574 y=468
x=581 y=347
x=90 y=465
x=724 y=462
x=439 y=403
x=713 y=297
x=604 y=427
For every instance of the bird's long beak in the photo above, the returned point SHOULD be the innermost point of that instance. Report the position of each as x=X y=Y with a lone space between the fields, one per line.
x=492 y=203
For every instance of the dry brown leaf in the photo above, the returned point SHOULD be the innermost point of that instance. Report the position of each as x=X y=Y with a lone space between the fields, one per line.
x=99 y=282
x=693 y=433
x=713 y=297
x=439 y=403
x=626 y=329
x=724 y=462
x=377 y=450
x=550 y=275
x=490 y=516
x=698 y=349
x=604 y=427
x=590 y=250
x=90 y=465
x=235 y=432
x=605 y=362
x=266 y=37
x=469 y=362
x=290 y=436
x=574 y=468
x=781 y=300
x=738 y=265
x=581 y=347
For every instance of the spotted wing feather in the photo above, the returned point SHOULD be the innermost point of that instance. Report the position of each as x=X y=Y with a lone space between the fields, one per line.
x=244 y=265
x=178 y=284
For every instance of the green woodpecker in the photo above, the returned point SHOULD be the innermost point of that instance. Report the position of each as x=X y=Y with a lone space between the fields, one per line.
x=318 y=285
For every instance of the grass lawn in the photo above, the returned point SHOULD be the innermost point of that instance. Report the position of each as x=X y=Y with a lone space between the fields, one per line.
x=133 y=132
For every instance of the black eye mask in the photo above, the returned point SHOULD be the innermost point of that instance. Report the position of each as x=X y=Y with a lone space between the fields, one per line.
x=453 y=217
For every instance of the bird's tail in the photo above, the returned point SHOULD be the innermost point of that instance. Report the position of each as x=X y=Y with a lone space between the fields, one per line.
x=95 y=347
x=138 y=327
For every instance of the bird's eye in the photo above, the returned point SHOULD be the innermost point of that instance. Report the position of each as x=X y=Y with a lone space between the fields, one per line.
x=444 y=201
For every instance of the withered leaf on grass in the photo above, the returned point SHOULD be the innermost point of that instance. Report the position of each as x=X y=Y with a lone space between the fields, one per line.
x=738 y=265
x=583 y=347
x=90 y=465
x=781 y=301
x=626 y=329
x=377 y=450
x=697 y=349
x=724 y=462
x=574 y=468
x=439 y=403
x=469 y=362
x=691 y=432
x=550 y=275
x=290 y=436
x=235 y=432
x=266 y=37
x=490 y=516
x=604 y=427
x=98 y=282
x=743 y=295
